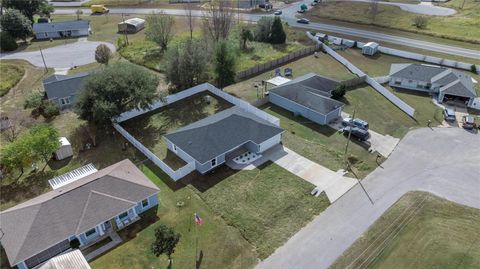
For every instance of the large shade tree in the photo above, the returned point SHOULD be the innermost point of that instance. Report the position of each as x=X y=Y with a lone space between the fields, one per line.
x=29 y=7
x=117 y=88
x=16 y=24
x=224 y=65
x=187 y=65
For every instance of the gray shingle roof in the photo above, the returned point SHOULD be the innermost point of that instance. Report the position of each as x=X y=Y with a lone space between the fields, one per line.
x=208 y=138
x=60 y=26
x=59 y=86
x=452 y=82
x=312 y=91
x=45 y=220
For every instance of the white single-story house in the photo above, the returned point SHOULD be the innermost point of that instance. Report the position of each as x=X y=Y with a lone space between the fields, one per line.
x=63 y=89
x=212 y=141
x=309 y=96
x=62 y=29
x=439 y=81
x=370 y=48
x=131 y=25
x=77 y=213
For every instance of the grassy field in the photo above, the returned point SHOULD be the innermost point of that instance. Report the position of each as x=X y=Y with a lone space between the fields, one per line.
x=323 y=65
x=140 y=3
x=321 y=144
x=464 y=25
x=11 y=75
x=222 y=245
x=419 y=231
x=150 y=128
x=267 y=205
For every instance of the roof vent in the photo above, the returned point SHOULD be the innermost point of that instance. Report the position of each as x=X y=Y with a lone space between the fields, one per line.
x=72 y=176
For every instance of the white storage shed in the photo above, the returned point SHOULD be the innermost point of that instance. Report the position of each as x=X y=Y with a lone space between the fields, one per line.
x=131 y=25
x=65 y=149
x=370 y=48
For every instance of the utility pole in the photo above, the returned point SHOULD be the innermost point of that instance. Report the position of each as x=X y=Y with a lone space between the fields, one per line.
x=43 y=59
x=345 y=160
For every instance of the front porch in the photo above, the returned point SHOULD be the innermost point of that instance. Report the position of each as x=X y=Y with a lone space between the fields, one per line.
x=101 y=245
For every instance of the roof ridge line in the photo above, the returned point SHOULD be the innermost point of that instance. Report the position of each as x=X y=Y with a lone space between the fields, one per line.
x=29 y=230
x=113 y=197
x=83 y=212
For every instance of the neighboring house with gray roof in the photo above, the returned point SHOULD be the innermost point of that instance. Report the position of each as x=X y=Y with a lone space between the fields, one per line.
x=83 y=211
x=61 y=29
x=309 y=96
x=63 y=89
x=212 y=141
x=439 y=81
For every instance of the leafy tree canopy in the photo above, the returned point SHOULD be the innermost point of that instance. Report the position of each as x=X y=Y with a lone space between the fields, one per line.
x=29 y=7
x=165 y=241
x=224 y=65
x=116 y=89
x=16 y=24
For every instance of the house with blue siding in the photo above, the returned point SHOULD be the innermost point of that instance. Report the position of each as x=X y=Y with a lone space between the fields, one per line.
x=309 y=96
x=78 y=213
x=63 y=90
x=212 y=141
x=61 y=29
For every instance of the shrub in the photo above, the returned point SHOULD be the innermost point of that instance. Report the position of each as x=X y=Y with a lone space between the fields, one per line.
x=49 y=109
x=339 y=92
x=33 y=100
x=7 y=42
x=121 y=42
x=420 y=22
x=473 y=68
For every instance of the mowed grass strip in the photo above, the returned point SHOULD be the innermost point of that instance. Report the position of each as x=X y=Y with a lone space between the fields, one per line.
x=463 y=26
x=267 y=205
x=221 y=245
x=10 y=76
x=419 y=231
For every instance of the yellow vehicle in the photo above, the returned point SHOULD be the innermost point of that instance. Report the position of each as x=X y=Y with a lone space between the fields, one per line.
x=99 y=9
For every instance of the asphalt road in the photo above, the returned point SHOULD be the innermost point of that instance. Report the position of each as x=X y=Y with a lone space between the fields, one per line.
x=289 y=15
x=443 y=161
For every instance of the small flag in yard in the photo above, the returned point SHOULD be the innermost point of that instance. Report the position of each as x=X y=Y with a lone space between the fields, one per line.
x=198 y=220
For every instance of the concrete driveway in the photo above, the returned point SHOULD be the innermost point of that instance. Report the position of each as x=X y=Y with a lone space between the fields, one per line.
x=333 y=183
x=443 y=161
x=64 y=56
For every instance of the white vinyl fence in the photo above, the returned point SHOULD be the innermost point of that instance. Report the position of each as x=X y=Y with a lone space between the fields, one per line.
x=379 y=88
x=174 y=174
x=189 y=167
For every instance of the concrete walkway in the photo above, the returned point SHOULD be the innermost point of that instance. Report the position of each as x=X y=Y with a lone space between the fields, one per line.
x=443 y=161
x=333 y=183
x=116 y=240
x=79 y=53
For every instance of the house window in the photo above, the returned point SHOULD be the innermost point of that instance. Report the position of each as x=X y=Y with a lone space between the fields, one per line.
x=145 y=203
x=46 y=34
x=90 y=232
x=123 y=215
x=214 y=162
x=65 y=101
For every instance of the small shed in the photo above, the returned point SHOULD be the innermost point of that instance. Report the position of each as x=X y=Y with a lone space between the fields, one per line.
x=131 y=25
x=321 y=37
x=65 y=149
x=370 y=48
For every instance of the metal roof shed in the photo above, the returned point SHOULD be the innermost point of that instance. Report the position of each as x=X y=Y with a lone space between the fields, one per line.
x=131 y=25
x=65 y=149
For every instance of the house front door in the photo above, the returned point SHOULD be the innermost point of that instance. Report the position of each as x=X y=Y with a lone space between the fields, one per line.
x=108 y=225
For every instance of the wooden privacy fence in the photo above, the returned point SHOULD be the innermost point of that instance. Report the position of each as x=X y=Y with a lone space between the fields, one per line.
x=275 y=63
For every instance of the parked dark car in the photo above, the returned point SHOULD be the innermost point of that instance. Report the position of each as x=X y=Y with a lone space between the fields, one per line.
x=358 y=133
x=449 y=114
x=278 y=12
x=303 y=20
x=355 y=123
x=468 y=122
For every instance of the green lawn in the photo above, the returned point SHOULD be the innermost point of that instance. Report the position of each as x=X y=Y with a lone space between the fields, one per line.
x=419 y=231
x=150 y=128
x=11 y=75
x=267 y=205
x=464 y=25
x=321 y=144
x=221 y=244
x=323 y=65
